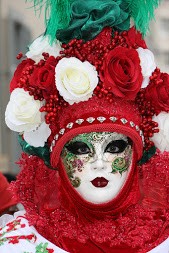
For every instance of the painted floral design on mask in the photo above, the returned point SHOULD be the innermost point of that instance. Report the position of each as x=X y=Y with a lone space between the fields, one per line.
x=121 y=164
x=72 y=162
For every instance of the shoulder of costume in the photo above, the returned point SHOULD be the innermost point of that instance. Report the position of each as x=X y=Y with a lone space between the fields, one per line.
x=17 y=236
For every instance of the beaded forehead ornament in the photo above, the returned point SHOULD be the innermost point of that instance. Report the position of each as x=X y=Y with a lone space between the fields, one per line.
x=97 y=75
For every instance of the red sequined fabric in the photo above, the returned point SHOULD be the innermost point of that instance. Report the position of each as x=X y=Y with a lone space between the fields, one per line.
x=137 y=229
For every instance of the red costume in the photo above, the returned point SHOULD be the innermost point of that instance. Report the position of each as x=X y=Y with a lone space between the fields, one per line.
x=101 y=79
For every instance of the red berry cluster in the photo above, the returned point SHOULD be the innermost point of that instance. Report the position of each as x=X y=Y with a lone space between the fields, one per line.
x=155 y=77
x=24 y=83
x=52 y=106
x=101 y=91
x=55 y=102
x=95 y=51
x=119 y=39
x=148 y=126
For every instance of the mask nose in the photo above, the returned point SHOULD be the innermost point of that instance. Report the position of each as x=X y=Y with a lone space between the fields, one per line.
x=98 y=163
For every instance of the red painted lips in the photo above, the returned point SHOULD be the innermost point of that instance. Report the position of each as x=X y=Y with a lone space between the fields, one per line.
x=99 y=182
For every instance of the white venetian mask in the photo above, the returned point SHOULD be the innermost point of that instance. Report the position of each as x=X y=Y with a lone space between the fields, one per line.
x=98 y=164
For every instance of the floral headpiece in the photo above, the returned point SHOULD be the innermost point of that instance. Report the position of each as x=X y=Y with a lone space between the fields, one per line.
x=113 y=64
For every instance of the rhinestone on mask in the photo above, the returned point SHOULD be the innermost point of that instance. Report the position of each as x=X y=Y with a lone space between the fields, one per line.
x=101 y=119
x=113 y=119
x=79 y=121
x=70 y=125
x=132 y=124
x=142 y=137
x=62 y=131
x=90 y=120
x=56 y=137
x=123 y=120
x=137 y=128
x=52 y=145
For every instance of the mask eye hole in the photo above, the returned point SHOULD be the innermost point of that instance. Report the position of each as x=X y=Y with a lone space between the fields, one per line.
x=117 y=146
x=78 y=148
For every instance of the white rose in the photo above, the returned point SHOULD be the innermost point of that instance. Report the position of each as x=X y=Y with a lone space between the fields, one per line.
x=161 y=139
x=38 y=137
x=22 y=112
x=147 y=63
x=41 y=45
x=75 y=80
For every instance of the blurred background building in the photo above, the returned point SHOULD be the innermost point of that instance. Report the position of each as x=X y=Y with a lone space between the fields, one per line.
x=18 y=28
x=158 y=38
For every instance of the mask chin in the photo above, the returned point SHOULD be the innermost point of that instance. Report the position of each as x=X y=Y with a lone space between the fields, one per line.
x=101 y=195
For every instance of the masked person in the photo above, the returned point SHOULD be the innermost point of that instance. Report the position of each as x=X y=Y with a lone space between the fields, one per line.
x=92 y=116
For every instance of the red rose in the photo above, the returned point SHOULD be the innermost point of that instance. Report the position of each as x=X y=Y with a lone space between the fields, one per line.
x=158 y=93
x=134 y=39
x=122 y=72
x=19 y=73
x=43 y=77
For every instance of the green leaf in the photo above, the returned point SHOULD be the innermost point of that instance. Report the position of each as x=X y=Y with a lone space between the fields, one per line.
x=42 y=152
x=147 y=155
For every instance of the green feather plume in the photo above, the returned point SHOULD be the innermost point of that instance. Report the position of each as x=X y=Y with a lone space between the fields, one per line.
x=142 y=12
x=57 y=14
